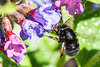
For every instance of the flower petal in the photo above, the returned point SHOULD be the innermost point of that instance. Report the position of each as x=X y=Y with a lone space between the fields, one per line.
x=9 y=53
x=23 y=36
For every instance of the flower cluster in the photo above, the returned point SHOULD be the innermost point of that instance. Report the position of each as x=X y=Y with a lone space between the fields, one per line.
x=14 y=48
x=72 y=6
x=34 y=23
x=31 y=29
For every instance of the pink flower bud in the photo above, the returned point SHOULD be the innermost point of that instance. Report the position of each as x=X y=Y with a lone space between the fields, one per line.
x=17 y=17
x=24 y=9
x=6 y=25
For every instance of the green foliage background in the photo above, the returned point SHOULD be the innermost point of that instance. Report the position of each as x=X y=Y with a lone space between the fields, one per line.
x=46 y=52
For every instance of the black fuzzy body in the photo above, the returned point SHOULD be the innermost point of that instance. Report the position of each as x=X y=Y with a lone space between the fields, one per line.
x=68 y=38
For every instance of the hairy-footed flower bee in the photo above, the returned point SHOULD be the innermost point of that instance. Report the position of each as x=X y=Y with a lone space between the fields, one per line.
x=68 y=39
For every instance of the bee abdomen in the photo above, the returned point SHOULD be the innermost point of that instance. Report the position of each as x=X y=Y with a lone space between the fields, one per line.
x=72 y=52
x=71 y=48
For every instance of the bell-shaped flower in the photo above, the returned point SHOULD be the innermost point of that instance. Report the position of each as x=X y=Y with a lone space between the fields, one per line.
x=14 y=48
x=32 y=30
x=41 y=2
x=46 y=15
x=72 y=6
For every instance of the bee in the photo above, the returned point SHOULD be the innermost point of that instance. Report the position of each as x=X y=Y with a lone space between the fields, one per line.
x=68 y=39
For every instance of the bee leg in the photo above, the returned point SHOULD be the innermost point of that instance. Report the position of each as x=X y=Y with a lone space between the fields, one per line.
x=62 y=49
x=52 y=37
x=54 y=30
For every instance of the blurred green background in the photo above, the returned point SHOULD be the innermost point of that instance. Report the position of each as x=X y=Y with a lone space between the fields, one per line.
x=46 y=52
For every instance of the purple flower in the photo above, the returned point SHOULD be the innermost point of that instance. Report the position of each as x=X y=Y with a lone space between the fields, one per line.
x=46 y=15
x=2 y=38
x=32 y=30
x=95 y=7
x=14 y=48
x=23 y=35
x=72 y=6
x=41 y=2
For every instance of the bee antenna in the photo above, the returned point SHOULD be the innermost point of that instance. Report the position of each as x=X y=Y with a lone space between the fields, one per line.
x=68 y=20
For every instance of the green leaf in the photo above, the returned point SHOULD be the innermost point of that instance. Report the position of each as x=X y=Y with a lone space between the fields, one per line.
x=6 y=62
x=65 y=15
x=95 y=1
x=8 y=8
x=93 y=60
x=96 y=64
x=89 y=30
x=88 y=58
x=89 y=40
